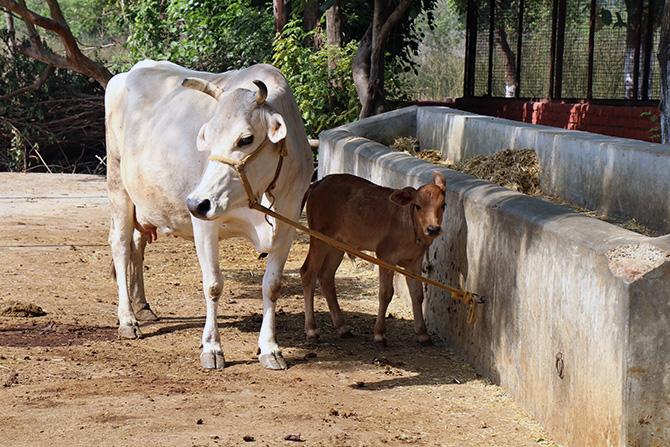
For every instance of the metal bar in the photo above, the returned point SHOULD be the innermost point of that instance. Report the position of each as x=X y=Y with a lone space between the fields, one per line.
x=592 y=37
x=638 y=41
x=489 y=85
x=552 y=48
x=560 y=44
x=471 y=48
x=519 y=46
x=468 y=38
x=648 y=44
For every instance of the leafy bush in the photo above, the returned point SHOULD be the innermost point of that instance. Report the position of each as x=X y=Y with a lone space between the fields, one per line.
x=202 y=34
x=320 y=78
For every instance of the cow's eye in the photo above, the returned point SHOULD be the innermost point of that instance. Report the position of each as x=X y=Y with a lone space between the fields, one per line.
x=244 y=141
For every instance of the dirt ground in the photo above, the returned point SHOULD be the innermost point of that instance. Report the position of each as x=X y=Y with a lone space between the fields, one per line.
x=66 y=380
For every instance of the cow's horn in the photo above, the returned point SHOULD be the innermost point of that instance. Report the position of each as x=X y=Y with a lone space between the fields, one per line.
x=262 y=93
x=203 y=86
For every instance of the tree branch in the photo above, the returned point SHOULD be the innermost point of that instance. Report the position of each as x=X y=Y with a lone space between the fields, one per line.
x=39 y=82
x=73 y=60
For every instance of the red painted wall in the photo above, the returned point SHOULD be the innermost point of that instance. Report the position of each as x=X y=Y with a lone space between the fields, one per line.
x=618 y=119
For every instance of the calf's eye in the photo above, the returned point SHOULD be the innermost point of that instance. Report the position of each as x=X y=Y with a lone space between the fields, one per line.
x=244 y=141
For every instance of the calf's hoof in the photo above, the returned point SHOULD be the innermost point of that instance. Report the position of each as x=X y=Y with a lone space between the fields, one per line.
x=130 y=332
x=212 y=360
x=344 y=332
x=146 y=314
x=274 y=361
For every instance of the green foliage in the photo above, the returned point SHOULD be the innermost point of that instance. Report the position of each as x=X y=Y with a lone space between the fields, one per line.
x=326 y=95
x=201 y=34
x=436 y=71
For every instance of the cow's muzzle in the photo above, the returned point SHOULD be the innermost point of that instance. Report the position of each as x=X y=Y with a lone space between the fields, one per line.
x=199 y=208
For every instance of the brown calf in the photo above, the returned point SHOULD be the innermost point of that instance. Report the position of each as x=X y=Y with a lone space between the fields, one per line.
x=397 y=224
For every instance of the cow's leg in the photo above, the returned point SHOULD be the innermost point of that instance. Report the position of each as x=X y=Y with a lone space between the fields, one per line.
x=327 y=281
x=385 y=295
x=139 y=302
x=308 y=274
x=416 y=293
x=270 y=356
x=206 y=236
x=120 y=240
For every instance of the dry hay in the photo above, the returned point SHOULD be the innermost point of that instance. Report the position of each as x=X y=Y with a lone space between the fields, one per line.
x=18 y=309
x=515 y=169
x=410 y=145
x=518 y=170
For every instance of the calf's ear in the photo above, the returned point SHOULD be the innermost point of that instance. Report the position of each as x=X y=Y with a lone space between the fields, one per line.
x=439 y=180
x=200 y=142
x=276 y=128
x=403 y=197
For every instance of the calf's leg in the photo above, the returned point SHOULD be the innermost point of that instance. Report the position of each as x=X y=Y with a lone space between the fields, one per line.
x=416 y=293
x=331 y=262
x=308 y=274
x=206 y=235
x=385 y=295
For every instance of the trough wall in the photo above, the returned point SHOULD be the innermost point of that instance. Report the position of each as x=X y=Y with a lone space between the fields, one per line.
x=558 y=285
x=619 y=178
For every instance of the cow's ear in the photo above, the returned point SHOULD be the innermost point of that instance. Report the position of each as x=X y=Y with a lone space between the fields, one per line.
x=403 y=197
x=200 y=142
x=276 y=128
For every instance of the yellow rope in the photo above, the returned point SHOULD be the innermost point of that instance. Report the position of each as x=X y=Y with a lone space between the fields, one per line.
x=468 y=298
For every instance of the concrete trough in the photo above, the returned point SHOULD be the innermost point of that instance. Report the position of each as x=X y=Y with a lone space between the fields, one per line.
x=577 y=320
x=618 y=177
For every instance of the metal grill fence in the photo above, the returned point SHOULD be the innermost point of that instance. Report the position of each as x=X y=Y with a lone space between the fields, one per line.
x=569 y=49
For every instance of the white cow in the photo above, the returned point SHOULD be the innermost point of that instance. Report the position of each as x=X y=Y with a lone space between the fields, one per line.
x=160 y=134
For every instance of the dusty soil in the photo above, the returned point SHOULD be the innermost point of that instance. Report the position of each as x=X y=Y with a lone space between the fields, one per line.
x=67 y=380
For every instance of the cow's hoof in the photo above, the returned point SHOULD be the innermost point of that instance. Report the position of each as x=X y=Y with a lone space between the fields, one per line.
x=313 y=339
x=345 y=332
x=146 y=314
x=212 y=360
x=130 y=332
x=425 y=340
x=274 y=360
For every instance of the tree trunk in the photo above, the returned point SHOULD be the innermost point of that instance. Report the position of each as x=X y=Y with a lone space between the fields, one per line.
x=334 y=25
x=632 y=38
x=280 y=8
x=509 y=60
x=664 y=64
x=384 y=19
x=311 y=18
x=360 y=66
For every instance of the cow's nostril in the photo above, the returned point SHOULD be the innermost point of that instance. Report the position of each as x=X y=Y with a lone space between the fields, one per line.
x=433 y=230
x=204 y=206
x=198 y=209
